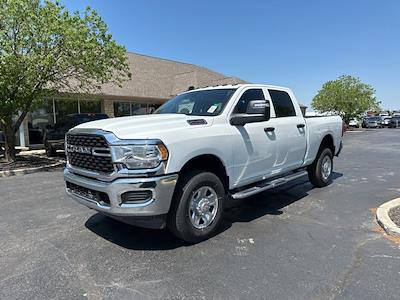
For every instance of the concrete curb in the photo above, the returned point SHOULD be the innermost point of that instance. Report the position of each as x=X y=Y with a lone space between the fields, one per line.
x=382 y=216
x=20 y=172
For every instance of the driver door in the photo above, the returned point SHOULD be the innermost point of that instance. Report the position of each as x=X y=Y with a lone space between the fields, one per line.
x=255 y=148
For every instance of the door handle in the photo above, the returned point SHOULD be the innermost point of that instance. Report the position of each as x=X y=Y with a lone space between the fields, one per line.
x=269 y=129
x=301 y=125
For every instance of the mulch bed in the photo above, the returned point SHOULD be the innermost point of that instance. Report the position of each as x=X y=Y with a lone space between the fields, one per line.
x=394 y=214
x=29 y=161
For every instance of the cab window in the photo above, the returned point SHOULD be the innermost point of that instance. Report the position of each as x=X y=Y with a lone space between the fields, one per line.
x=282 y=103
x=247 y=96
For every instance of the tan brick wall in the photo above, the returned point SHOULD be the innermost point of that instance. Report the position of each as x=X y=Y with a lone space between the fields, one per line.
x=108 y=107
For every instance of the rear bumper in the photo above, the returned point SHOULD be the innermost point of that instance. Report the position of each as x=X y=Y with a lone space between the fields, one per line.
x=162 y=189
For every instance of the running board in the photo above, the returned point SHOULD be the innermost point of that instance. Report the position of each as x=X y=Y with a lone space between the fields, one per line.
x=266 y=185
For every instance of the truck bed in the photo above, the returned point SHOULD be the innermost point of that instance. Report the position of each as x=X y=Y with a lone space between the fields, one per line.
x=317 y=127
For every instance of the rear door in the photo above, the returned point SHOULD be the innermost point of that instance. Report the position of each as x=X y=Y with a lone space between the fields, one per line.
x=290 y=131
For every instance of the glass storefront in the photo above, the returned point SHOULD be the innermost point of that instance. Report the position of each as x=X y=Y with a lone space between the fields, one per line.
x=122 y=109
x=65 y=107
x=49 y=112
x=38 y=120
x=86 y=106
x=17 y=139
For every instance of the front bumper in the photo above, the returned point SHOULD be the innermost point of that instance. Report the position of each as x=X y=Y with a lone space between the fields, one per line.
x=56 y=144
x=162 y=188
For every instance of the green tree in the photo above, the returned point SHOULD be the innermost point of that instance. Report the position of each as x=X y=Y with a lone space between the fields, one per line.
x=346 y=96
x=44 y=49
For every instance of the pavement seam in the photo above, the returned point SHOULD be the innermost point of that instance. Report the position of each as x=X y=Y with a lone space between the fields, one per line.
x=341 y=284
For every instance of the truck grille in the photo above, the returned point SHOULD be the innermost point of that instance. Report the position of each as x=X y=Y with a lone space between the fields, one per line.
x=80 y=154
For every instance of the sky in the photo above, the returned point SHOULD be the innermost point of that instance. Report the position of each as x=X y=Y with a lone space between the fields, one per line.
x=293 y=43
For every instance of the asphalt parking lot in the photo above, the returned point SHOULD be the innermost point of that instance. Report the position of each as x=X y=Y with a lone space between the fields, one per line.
x=294 y=242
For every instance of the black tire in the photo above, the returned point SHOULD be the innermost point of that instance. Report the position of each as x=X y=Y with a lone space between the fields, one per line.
x=315 y=170
x=50 y=151
x=179 y=221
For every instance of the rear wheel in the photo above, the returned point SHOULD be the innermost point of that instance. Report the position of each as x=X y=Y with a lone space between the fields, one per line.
x=320 y=171
x=197 y=207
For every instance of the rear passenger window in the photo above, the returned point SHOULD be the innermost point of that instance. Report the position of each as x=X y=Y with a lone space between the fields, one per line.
x=282 y=103
x=247 y=96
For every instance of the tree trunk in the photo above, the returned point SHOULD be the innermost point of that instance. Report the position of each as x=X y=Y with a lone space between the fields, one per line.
x=9 y=135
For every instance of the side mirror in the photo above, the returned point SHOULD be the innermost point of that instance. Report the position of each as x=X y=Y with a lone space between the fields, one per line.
x=257 y=111
x=259 y=107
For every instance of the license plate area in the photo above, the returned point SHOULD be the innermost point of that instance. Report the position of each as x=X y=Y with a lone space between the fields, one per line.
x=88 y=194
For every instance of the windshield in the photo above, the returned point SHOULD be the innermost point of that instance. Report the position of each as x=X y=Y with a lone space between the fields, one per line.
x=198 y=103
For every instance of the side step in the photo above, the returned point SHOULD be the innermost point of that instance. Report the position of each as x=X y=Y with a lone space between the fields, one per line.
x=266 y=185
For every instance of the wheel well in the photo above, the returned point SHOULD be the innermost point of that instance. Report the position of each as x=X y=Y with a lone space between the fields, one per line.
x=327 y=142
x=209 y=163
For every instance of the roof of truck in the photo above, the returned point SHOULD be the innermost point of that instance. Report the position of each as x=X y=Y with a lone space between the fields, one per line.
x=235 y=86
x=240 y=85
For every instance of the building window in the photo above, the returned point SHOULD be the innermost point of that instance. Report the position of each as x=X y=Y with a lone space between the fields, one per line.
x=152 y=108
x=39 y=120
x=138 y=109
x=89 y=106
x=122 y=109
x=53 y=111
x=50 y=112
x=65 y=107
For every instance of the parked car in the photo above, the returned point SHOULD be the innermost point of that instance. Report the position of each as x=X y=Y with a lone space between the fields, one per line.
x=354 y=123
x=179 y=166
x=372 y=122
x=394 y=122
x=54 y=136
x=386 y=120
x=384 y=114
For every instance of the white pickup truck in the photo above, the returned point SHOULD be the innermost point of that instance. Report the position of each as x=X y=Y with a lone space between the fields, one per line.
x=179 y=166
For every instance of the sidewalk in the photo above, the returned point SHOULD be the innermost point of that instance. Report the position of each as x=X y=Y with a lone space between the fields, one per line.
x=29 y=162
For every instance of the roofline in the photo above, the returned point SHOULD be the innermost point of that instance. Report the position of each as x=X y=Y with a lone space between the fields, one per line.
x=181 y=62
x=165 y=59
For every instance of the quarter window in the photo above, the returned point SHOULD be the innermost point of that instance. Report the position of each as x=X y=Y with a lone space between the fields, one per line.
x=282 y=103
x=247 y=96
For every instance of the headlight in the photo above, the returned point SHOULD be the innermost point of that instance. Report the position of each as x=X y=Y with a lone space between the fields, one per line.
x=139 y=156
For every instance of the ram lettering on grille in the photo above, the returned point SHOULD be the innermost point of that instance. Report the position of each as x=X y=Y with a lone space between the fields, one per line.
x=80 y=153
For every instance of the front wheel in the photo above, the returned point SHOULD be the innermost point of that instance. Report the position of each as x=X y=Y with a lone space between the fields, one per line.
x=197 y=207
x=320 y=171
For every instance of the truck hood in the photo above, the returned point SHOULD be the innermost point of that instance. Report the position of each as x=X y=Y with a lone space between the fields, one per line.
x=147 y=126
